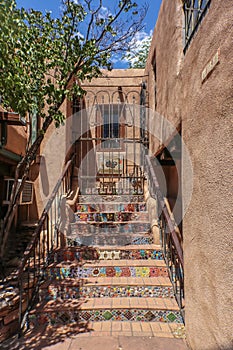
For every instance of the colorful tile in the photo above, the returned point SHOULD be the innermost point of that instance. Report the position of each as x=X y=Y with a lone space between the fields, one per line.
x=119 y=271
x=111 y=198
x=81 y=228
x=76 y=292
x=143 y=315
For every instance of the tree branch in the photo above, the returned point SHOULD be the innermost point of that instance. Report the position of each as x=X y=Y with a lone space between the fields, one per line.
x=92 y=16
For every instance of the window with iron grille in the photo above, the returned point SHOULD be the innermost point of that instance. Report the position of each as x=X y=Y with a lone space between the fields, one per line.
x=194 y=11
x=111 y=135
x=76 y=105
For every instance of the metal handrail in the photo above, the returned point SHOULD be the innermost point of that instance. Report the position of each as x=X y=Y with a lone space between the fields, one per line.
x=172 y=248
x=37 y=256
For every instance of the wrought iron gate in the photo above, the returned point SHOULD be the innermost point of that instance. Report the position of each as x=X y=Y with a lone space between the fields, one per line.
x=110 y=152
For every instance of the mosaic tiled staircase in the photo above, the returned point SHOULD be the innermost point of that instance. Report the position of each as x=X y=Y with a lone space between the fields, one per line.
x=119 y=276
x=118 y=222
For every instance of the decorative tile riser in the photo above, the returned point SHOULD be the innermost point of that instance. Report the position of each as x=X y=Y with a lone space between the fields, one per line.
x=140 y=240
x=108 y=239
x=116 y=271
x=95 y=254
x=71 y=292
x=110 y=217
x=106 y=228
x=137 y=254
x=142 y=315
x=111 y=207
x=127 y=198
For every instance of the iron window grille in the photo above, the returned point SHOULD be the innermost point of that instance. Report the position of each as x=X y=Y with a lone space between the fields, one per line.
x=111 y=133
x=194 y=11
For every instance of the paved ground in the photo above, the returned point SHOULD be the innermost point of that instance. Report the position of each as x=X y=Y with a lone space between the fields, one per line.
x=112 y=343
x=120 y=343
x=95 y=336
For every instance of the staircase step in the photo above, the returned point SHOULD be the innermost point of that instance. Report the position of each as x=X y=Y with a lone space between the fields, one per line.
x=76 y=271
x=123 y=198
x=130 y=252
x=145 y=333
x=107 y=287
x=78 y=228
x=109 y=281
x=111 y=217
x=109 y=263
x=113 y=239
x=109 y=238
x=111 y=207
x=105 y=309
x=133 y=247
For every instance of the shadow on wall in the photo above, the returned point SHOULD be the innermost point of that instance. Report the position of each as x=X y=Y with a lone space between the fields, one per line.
x=44 y=177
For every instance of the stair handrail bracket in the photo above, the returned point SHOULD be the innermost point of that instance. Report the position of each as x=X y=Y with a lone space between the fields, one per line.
x=171 y=245
x=44 y=240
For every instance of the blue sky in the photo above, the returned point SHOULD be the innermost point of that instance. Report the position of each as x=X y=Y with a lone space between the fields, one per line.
x=54 y=5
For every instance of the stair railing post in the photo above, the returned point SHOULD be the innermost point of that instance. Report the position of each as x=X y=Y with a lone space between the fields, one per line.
x=20 y=304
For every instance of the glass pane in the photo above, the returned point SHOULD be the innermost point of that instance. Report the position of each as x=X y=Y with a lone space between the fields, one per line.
x=111 y=130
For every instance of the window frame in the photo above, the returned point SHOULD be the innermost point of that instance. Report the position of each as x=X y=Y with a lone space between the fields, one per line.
x=111 y=111
x=194 y=11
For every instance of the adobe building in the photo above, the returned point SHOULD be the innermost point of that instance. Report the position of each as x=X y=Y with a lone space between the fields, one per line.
x=188 y=82
x=190 y=69
x=13 y=140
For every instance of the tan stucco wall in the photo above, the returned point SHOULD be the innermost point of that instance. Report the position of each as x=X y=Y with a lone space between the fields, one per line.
x=45 y=171
x=16 y=139
x=167 y=48
x=106 y=87
x=205 y=109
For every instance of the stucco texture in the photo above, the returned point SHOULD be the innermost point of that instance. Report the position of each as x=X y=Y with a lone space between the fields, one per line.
x=16 y=139
x=205 y=110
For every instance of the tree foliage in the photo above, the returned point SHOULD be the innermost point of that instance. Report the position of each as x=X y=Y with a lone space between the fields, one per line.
x=138 y=52
x=41 y=57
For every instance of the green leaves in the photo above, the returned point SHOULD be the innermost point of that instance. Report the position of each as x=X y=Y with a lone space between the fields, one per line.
x=137 y=56
x=40 y=54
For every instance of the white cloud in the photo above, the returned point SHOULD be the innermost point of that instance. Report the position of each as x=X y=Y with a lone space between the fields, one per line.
x=138 y=43
x=139 y=38
x=104 y=13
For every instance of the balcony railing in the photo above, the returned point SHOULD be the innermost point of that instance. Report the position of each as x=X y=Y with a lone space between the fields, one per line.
x=170 y=239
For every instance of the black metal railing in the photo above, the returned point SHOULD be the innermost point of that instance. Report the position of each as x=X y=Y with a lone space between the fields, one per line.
x=169 y=237
x=45 y=239
x=194 y=12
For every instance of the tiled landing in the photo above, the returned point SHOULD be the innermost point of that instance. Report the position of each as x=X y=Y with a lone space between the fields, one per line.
x=97 y=338
x=149 y=329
